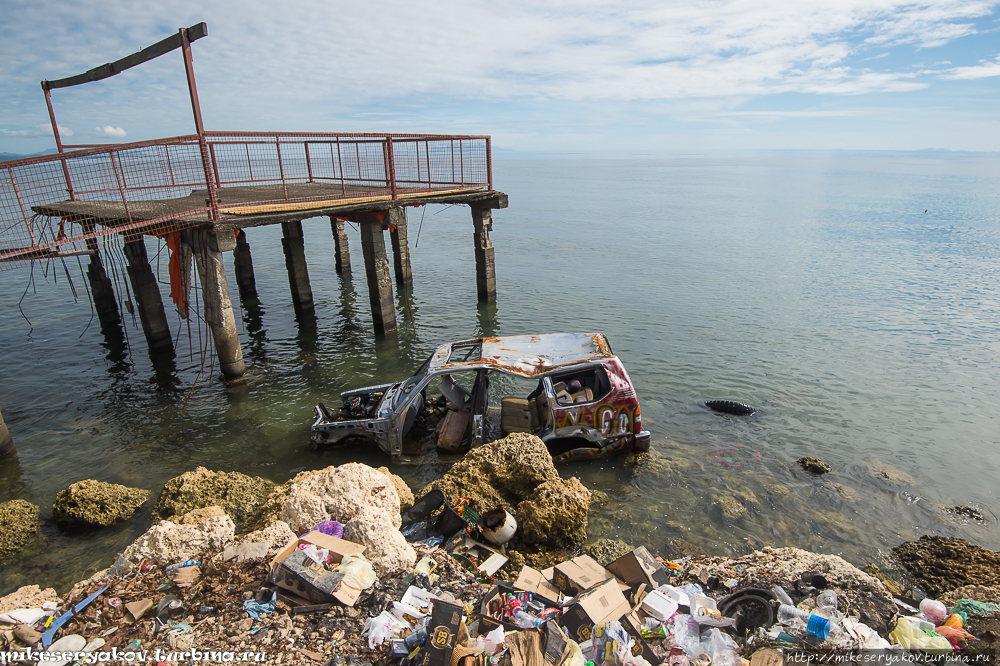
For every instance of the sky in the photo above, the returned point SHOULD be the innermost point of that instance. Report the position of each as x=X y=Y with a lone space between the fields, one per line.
x=566 y=76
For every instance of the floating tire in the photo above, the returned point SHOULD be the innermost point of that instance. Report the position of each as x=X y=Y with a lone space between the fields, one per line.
x=730 y=407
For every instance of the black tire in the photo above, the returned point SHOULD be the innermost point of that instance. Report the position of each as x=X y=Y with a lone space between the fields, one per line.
x=730 y=407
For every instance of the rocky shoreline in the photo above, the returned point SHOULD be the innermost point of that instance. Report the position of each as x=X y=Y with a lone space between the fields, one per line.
x=234 y=524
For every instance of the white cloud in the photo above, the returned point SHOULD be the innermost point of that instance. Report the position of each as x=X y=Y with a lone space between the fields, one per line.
x=43 y=129
x=110 y=132
x=975 y=72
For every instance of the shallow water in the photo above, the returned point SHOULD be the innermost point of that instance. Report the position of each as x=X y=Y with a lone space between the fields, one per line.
x=811 y=285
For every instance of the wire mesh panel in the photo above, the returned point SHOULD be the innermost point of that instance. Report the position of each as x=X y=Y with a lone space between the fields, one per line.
x=58 y=205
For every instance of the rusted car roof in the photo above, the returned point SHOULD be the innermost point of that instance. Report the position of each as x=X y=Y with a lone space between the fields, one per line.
x=528 y=355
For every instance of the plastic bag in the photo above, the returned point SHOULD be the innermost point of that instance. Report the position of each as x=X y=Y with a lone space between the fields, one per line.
x=426 y=565
x=315 y=553
x=358 y=572
x=612 y=644
x=379 y=629
x=686 y=633
x=493 y=641
x=719 y=647
x=909 y=634
x=575 y=656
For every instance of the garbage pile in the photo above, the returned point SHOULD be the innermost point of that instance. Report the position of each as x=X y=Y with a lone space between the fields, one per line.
x=432 y=585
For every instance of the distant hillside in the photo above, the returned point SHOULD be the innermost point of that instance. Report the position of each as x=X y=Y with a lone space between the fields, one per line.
x=16 y=156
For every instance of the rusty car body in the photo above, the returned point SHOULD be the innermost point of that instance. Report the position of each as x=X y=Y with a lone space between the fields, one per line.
x=576 y=396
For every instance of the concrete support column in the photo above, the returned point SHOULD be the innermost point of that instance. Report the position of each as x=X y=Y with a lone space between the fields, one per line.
x=342 y=254
x=218 y=307
x=486 y=275
x=377 y=271
x=400 y=250
x=243 y=265
x=147 y=295
x=101 y=289
x=6 y=442
x=295 y=261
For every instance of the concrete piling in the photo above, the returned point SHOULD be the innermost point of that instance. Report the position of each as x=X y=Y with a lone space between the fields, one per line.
x=218 y=306
x=377 y=272
x=101 y=290
x=400 y=249
x=342 y=255
x=243 y=267
x=486 y=276
x=6 y=442
x=293 y=245
x=147 y=294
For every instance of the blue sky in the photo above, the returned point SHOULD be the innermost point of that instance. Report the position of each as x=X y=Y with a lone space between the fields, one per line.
x=629 y=75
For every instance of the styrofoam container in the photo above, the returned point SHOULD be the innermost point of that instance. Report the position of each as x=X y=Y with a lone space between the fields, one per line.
x=680 y=596
x=659 y=605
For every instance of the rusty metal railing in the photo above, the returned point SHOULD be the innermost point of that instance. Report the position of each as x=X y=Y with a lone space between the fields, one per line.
x=51 y=205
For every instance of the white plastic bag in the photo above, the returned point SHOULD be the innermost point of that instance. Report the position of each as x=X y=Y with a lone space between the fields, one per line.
x=379 y=629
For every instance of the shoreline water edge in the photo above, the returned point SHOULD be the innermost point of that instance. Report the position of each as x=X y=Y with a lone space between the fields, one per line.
x=488 y=565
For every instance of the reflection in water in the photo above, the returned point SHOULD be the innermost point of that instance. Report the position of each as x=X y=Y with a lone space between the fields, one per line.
x=11 y=477
x=487 y=322
x=255 y=348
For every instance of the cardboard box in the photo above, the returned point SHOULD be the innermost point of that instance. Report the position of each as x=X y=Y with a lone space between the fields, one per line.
x=601 y=603
x=487 y=621
x=292 y=570
x=531 y=580
x=639 y=567
x=579 y=574
x=633 y=622
x=442 y=633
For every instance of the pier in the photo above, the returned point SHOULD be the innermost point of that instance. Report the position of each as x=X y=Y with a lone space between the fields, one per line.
x=200 y=194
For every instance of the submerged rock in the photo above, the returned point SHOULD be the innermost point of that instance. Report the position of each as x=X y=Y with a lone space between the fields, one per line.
x=885 y=472
x=239 y=495
x=169 y=542
x=606 y=551
x=942 y=564
x=93 y=503
x=517 y=473
x=19 y=525
x=683 y=548
x=814 y=465
x=364 y=500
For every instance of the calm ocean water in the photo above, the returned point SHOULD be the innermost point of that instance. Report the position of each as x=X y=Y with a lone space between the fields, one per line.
x=853 y=297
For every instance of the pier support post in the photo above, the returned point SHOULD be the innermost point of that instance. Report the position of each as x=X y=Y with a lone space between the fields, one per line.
x=342 y=250
x=243 y=267
x=486 y=275
x=100 y=286
x=400 y=248
x=294 y=247
x=147 y=293
x=218 y=305
x=6 y=442
x=377 y=271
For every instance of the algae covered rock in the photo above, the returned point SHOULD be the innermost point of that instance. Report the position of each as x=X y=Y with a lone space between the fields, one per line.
x=94 y=503
x=501 y=473
x=169 y=542
x=364 y=500
x=517 y=473
x=942 y=564
x=814 y=465
x=19 y=525
x=239 y=495
x=606 y=551
x=555 y=515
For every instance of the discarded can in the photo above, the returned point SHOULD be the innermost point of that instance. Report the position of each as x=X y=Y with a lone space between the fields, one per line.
x=498 y=526
x=146 y=567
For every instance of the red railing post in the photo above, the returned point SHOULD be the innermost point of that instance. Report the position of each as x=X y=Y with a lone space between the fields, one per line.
x=121 y=187
x=309 y=166
x=20 y=202
x=213 y=200
x=390 y=166
x=215 y=165
x=59 y=144
x=489 y=163
x=281 y=166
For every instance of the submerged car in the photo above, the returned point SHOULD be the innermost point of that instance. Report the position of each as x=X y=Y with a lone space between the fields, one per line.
x=569 y=389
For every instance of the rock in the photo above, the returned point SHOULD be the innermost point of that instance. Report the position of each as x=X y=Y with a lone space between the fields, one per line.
x=277 y=535
x=269 y=510
x=892 y=586
x=606 y=551
x=731 y=509
x=517 y=473
x=29 y=596
x=248 y=550
x=19 y=525
x=814 y=466
x=198 y=516
x=503 y=473
x=599 y=498
x=942 y=564
x=168 y=542
x=884 y=472
x=93 y=503
x=239 y=495
x=364 y=500
x=967 y=513
x=856 y=591
x=974 y=592
x=403 y=490
x=679 y=548
x=555 y=514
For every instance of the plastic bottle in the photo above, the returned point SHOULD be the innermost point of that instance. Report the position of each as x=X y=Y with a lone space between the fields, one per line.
x=827 y=600
x=526 y=621
x=816 y=623
x=781 y=595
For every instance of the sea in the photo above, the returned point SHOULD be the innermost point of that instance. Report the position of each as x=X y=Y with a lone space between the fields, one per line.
x=853 y=298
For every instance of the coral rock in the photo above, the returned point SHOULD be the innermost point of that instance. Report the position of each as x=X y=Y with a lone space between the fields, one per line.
x=555 y=514
x=814 y=465
x=277 y=535
x=19 y=525
x=403 y=490
x=606 y=551
x=270 y=509
x=167 y=542
x=198 y=516
x=942 y=564
x=29 y=596
x=386 y=548
x=239 y=495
